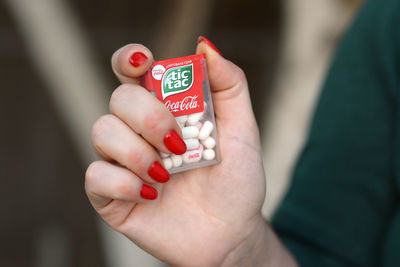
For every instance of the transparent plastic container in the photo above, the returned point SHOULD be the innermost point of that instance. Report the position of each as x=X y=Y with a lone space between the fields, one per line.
x=182 y=85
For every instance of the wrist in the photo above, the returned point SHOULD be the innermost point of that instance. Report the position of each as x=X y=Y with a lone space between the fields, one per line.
x=260 y=248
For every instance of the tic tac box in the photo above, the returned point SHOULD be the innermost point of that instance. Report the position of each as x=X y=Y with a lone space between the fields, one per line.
x=182 y=85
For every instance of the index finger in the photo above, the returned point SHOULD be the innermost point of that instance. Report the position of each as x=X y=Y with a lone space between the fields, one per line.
x=130 y=62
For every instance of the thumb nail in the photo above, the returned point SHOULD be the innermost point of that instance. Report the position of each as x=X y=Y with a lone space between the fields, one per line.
x=209 y=43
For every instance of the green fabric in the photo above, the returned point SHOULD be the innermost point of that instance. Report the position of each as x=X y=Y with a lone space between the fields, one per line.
x=342 y=208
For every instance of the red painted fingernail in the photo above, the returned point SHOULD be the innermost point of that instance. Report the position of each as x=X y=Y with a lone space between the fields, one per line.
x=137 y=59
x=208 y=42
x=158 y=172
x=174 y=143
x=148 y=192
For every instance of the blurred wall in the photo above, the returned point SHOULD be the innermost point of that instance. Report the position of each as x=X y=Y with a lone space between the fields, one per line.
x=56 y=80
x=45 y=216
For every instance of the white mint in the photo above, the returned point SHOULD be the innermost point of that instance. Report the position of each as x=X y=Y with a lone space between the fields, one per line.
x=208 y=154
x=194 y=118
x=167 y=162
x=176 y=160
x=191 y=143
x=193 y=155
x=209 y=142
x=206 y=130
x=190 y=132
x=198 y=125
x=164 y=155
x=181 y=119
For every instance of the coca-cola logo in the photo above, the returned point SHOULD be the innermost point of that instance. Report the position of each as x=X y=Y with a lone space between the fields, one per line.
x=194 y=156
x=187 y=103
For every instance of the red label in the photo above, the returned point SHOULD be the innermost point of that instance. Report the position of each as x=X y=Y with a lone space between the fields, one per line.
x=178 y=83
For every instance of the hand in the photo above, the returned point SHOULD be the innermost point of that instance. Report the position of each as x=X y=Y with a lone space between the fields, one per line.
x=201 y=216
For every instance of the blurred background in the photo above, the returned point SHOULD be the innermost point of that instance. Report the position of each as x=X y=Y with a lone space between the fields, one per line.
x=56 y=81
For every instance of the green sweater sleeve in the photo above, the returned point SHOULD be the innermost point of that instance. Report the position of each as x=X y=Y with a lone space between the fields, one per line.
x=344 y=189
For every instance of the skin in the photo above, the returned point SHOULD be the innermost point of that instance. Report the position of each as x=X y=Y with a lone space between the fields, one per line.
x=204 y=217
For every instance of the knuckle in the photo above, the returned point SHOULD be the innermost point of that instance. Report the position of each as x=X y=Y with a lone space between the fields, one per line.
x=101 y=125
x=136 y=159
x=119 y=95
x=241 y=75
x=155 y=121
x=124 y=190
x=90 y=175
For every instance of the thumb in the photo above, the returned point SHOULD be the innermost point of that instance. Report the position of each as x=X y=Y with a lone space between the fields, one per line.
x=229 y=89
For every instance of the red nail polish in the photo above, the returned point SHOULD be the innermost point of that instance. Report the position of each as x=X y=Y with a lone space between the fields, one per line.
x=137 y=59
x=148 y=192
x=208 y=42
x=174 y=143
x=158 y=172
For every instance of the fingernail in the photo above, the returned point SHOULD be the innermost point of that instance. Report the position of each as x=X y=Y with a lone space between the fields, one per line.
x=148 y=192
x=174 y=143
x=208 y=42
x=158 y=172
x=137 y=59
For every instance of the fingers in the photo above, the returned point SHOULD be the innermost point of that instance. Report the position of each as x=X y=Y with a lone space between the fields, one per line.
x=105 y=182
x=137 y=107
x=148 y=117
x=115 y=140
x=130 y=62
x=139 y=123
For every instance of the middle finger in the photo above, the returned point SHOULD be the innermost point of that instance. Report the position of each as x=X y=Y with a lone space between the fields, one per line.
x=148 y=117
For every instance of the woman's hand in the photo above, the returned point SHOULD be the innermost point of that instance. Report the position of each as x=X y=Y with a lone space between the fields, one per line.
x=201 y=217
